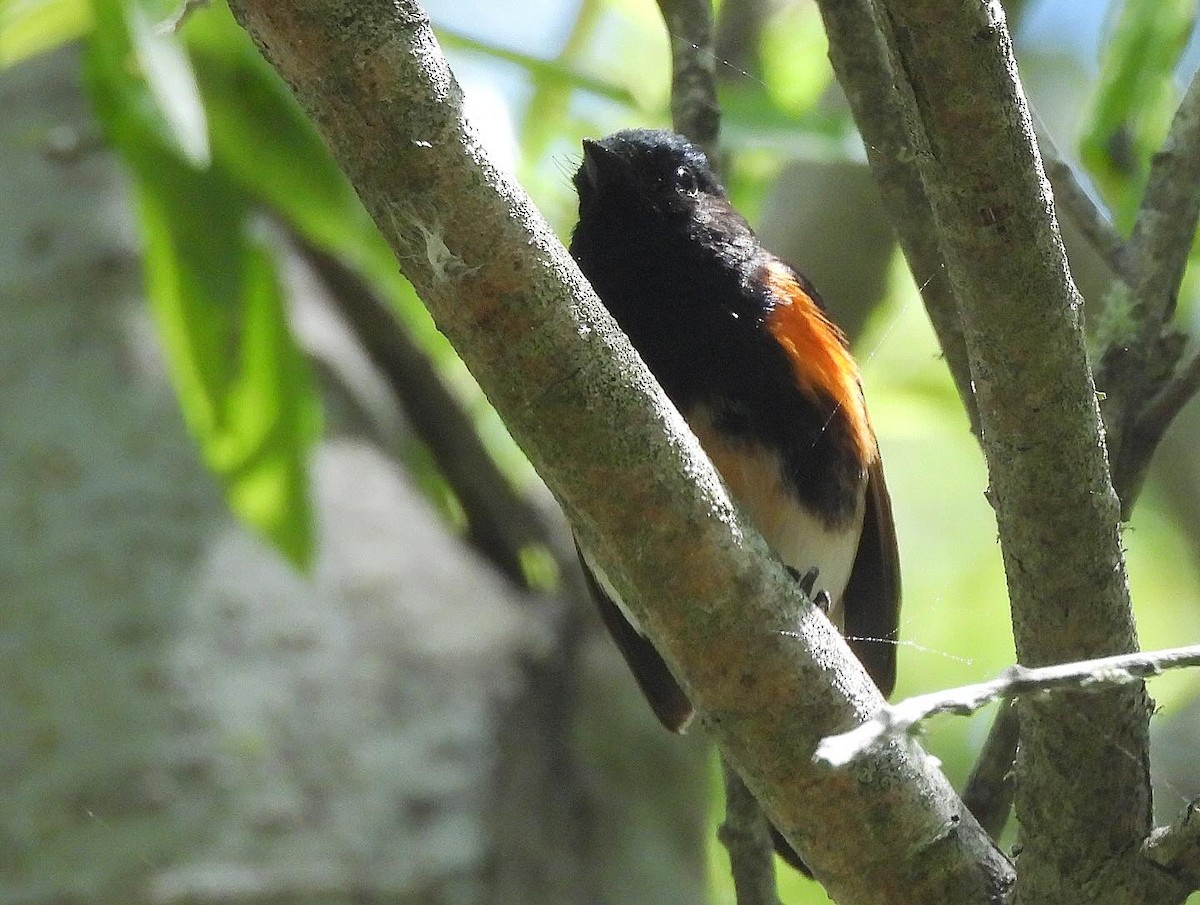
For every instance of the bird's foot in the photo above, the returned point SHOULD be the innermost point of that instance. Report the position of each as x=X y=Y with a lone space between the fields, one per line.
x=808 y=584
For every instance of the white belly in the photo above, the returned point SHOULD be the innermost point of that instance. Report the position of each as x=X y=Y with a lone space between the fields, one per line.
x=801 y=540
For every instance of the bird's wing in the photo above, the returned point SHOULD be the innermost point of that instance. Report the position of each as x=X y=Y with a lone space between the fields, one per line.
x=872 y=597
x=666 y=698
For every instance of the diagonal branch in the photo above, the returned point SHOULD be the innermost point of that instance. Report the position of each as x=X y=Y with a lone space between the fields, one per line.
x=1166 y=222
x=503 y=289
x=1139 y=367
x=1056 y=511
x=746 y=835
x=1160 y=411
x=989 y=791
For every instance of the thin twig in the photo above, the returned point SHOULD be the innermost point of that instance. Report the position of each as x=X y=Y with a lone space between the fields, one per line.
x=1136 y=373
x=1072 y=198
x=989 y=790
x=896 y=720
x=746 y=835
x=1166 y=221
x=694 y=110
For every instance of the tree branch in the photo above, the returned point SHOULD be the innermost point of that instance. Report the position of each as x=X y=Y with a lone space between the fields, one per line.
x=1140 y=364
x=746 y=835
x=858 y=50
x=862 y=59
x=1057 y=514
x=990 y=787
x=897 y=720
x=694 y=109
x=1160 y=411
x=1166 y=221
x=726 y=615
x=1176 y=848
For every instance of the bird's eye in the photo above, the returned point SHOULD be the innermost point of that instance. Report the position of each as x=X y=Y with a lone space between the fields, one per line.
x=686 y=180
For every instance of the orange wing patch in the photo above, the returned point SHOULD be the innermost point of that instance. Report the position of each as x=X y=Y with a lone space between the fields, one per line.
x=817 y=350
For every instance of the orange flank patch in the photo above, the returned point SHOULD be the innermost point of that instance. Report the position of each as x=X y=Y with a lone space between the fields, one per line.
x=817 y=350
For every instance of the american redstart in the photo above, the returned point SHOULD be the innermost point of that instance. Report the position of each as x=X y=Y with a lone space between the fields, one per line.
x=743 y=346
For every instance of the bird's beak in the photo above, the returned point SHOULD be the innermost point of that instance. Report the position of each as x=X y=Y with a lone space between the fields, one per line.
x=601 y=164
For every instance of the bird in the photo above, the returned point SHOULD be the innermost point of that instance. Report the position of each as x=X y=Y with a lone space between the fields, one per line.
x=743 y=346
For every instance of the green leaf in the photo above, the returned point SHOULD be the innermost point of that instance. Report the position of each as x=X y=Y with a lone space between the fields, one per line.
x=30 y=27
x=1134 y=100
x=279 y=418
x=264 y=140
x=243 y=385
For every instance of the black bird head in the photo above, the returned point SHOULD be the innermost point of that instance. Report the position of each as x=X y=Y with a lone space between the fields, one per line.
x=644 y=174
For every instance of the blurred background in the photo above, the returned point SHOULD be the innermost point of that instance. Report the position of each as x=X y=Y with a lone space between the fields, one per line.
x=285 y=615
